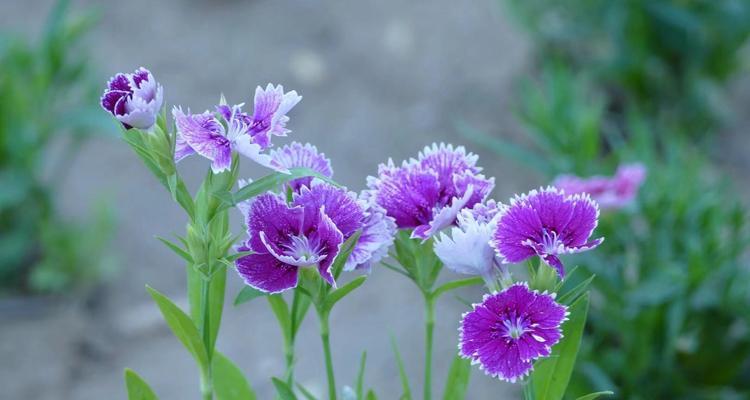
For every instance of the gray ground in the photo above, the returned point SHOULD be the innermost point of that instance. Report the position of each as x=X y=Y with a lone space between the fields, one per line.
x=379 y=79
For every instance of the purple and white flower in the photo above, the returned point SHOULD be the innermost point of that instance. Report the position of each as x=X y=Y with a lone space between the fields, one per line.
x=467 y=250
x=427 y=193
x=285 y=238
x=546 y=223
x=297 y=155
x=134 y=99
x=307 y=232
x=609 y=192
x=509 y=330
x=215 y=136
x=378 y=234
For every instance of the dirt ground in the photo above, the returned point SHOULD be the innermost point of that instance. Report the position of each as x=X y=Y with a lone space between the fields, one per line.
x=379 y=79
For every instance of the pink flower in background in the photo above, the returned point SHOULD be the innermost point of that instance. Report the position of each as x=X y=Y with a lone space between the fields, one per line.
x=610 y=192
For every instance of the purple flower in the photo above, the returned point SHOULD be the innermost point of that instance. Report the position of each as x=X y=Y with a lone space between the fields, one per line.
x=308 y=232
x=427 y=194
x=297 y=155
x=467 y=250
x=609 y=192
x=378 y=233
x=509 y=330
x=134 y=99
x=546 y=223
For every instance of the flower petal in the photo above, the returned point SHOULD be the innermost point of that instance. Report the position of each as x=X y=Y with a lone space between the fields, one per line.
x=264 y=272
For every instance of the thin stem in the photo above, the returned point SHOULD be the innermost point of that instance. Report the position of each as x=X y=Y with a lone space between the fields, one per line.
x=429 y=327
x=206 y=377
x=289 y=342
x=324 y=333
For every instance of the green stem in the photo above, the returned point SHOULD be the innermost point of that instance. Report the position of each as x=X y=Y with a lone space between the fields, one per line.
x=429 y=327
x=324 y=333
x=206 y=377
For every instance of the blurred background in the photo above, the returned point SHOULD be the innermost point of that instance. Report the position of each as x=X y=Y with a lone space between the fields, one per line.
x=537 y=88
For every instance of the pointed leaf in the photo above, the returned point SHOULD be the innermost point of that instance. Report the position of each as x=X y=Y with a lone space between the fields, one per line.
x=281 y=311
x=283 y=390
x=401 y=371
x=274 y=181
x=229 y=381
x=248 y=293
x=346 y=250
x=592 y=396
x=455 y=285
x=137 y=388
x=551 y=375
x=306 y=393
x=371 y=395
x=177 y=249
x=182 y=326
x=458 y=379
x=361 y=376
x=573 y=294
x=339 y=293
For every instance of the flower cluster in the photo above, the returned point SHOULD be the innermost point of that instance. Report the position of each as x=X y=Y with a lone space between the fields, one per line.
x=442 y=188
x=440 y=199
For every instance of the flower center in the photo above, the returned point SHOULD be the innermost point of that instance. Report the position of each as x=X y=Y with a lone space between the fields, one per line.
x=515 y=327
x=303 y=249
x=551 y=242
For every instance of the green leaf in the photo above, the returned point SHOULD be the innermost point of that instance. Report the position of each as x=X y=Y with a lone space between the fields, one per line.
x=401 y=371
x=573 y=294
x=283 y=390
x=248 y=293
x=458 y=379
x=333 y=297
x=305 y=392
x=361 y=376
x=177 y=249
x=138 y=389
x=344 y=253
x=371 y=395
x=442 y=289
x=270 y=182
x=182 y=326
x=592 y=396
x=551 y=375
x=281 y=311
x=216 y=292
x=229 y=381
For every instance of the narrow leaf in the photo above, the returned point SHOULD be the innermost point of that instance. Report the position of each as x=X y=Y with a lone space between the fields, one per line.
x=306 y=393
x=177 y=249
x=455 y=285
x=248 y=293
x=283 y=390
x=344 y=253
x=138 y=389
x=281 y=311
x=592 y=396
x=458 y=379
x=551 y=375
x=339 y=293
x=401 y=371
x=274 y=181
x=573 y=294
x=361 y=376
x=371 y=395
x=229 y=381
x=182 y=326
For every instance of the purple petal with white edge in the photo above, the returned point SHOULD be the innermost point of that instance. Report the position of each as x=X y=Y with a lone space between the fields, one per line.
x=114 y=101
x=584 y=217
x=120 y=82
x=245 y=146
x=340 y=205
x=378 y=234
x=408 y=194
x=444 y=217
x=554 y=262
x=181 y=149
x=269 y=213
x=297 y=155
x=329 y=238
x=264 y=272
x=447 y=161
x=511 y=329
x=204 y=134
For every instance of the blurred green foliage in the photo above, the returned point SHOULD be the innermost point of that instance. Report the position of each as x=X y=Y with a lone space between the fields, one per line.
x=671 y=57
x=48 y=103
x=670 y=307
